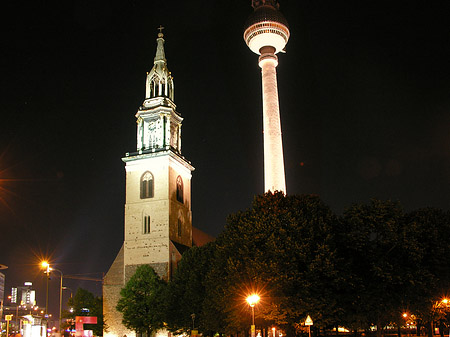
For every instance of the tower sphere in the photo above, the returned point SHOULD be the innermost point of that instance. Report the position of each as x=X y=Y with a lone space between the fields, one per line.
x=266 y=27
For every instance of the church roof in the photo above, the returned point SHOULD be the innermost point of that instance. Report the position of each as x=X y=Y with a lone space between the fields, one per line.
x=180 y=247
x=200 y=238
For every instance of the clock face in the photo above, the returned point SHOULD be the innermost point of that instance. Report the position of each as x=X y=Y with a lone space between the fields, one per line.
x=155 y=133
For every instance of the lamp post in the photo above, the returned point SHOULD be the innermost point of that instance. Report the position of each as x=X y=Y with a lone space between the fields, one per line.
x=67 y=288
x=60 y=295
x=46 y=266
x=17 y=316
x=193 y=321
x=439 y=306
x=71 y=295
x=252 y=300
x=49 y=269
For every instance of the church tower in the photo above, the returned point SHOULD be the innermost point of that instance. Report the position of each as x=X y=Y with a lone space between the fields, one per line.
x=158 y=179
x=266 y=34
x=158 y=218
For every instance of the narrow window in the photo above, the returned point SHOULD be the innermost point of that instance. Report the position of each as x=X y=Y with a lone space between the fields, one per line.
x=147 y=185
x=180 y=189
x=152 y=89
x=146 y=228
x=179 y=228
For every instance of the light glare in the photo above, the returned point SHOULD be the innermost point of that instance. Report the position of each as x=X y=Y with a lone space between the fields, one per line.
x=253 y=299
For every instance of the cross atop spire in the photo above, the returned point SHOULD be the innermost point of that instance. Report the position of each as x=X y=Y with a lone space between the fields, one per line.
x=160 y=34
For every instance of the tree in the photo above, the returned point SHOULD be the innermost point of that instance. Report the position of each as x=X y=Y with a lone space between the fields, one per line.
x=142 y=302
x=84 y=303
x=429 y=229
x=186 y=290
x=283 y=247
x=363 y=268
x=382 y=263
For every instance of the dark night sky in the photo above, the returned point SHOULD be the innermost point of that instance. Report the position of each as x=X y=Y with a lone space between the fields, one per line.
x=364 y=97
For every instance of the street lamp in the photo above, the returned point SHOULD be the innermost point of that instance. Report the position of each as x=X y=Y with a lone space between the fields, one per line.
x=60 y=294
x=70 y=309
x=252 y=300
x=193 y=321
x=49 y=269
x=46 y=266
x=67 y=288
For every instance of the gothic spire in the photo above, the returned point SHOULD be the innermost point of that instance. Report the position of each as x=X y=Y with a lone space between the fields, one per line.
x=160 y=56
x=159 y=80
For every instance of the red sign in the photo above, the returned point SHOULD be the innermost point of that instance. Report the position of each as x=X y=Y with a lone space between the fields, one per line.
x=80 y=321
x=86 y=319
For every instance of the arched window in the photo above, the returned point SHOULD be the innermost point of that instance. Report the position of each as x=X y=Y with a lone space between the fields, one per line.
x=147 y=185
x=146 y=224
x=154 y=86
x=152 y=89
x=180 y=189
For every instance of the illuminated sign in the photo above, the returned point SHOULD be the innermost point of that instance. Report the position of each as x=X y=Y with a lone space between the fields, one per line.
x=14 y=295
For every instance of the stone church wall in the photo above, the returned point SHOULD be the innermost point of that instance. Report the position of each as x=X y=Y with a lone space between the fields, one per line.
x=160 y=268
x=112 y=284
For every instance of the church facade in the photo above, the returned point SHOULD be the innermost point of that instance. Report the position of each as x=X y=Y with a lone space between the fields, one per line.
x=158 y=217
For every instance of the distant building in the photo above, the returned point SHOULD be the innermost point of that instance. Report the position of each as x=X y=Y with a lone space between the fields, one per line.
x=2 y=293
x=22 y=302
x=24 y=296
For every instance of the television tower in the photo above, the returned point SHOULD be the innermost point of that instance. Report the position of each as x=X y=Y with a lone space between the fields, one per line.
x=266 y=34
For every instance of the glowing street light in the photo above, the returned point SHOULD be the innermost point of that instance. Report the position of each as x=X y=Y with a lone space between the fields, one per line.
x=252 y=300
x=46 y=265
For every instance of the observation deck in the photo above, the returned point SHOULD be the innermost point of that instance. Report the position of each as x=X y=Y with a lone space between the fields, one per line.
x=266 y=26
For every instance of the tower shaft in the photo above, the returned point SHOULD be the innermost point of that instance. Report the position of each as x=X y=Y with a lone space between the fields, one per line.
x=274 y=179
x=266 y=34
